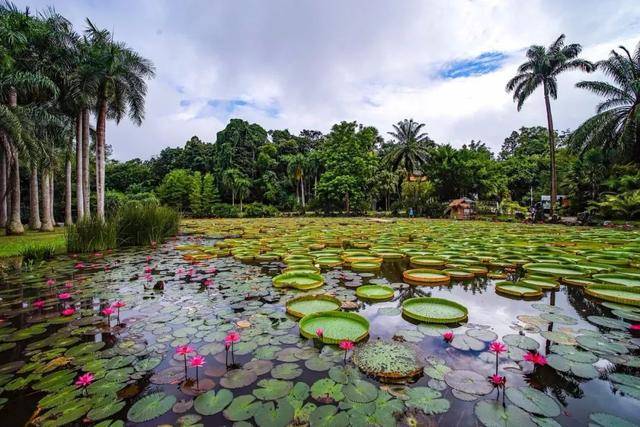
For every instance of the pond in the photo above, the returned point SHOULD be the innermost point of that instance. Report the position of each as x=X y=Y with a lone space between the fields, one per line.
x=96 y=339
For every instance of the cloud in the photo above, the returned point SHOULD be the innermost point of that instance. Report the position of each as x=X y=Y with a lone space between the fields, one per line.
x=307 y=65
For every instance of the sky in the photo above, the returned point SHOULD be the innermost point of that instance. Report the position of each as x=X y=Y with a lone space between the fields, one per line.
x=302 y=64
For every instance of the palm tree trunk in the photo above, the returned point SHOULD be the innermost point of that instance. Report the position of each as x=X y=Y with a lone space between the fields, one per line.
x=79 y=168
x=552 y=151
x=47 y=221
x=3 y=185
x=34 y=204
x=233 y=198
x=51 y=198
x=240 y=204
x=100 y=145
x=68 y=218
x=14 y=223
x=86 y=187
x=302 y=191
x=347 y=203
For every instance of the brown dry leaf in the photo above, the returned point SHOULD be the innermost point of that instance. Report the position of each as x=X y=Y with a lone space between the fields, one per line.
x=243 y=323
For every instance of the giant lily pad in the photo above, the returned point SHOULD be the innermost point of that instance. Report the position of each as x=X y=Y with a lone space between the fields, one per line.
x=625 y=280
x=520 y=289
x=434 y=310
x=308 y=304
x=298 y=280
x=375 y=292
x=556 y=270
x=615 y=293
x=336 y=326
x=388 y=360
x=426 y=276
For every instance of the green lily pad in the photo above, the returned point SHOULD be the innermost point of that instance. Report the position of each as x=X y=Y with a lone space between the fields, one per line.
x=318 y=364
x=242 y=408
x=270 y=389
x=307 y=304
x=326 y=390
x=533 y=401
x=210 y=403
x=104 y=408
x=270 y=415
x=521 y=341
x=336 y=326
x=328 y=416
x=468 y=381
x=608 y=420
x=434 y=310
x=387 y=359
x=491 y=413
x=360 y=391
x=150 y=407
x=238 y=378
x=466 y=343
x=427 y=400
x=375 y=292
x=286 y=371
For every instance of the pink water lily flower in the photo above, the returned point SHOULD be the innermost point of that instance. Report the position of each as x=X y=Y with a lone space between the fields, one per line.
x=320 y=332
x=197 y=361
x=448 y=336
x=119 y=304
x=108 y=311
x=346 y=345
x=79 y=266
x=232 y=337
x=64 y=296
x=635 y=327
x=211 y=270
x=183 y=350
x=208 y=282
x=68 y=284
x=68 y=311
x=85 y=380
x=535 y=358
x=148 y=258
x=497 y=380
x=51 y=282
x=147 y=269
x=39 y=304
x=497 y=347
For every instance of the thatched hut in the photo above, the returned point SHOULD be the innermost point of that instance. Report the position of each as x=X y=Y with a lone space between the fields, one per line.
x=461 y=208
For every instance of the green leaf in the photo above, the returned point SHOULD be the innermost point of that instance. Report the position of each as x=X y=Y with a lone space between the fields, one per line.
x=360 y=391
x=328 y=416
x=211 y=403
x=427 y=400
x=268 y=415
x=150 y=407
x=105 y=407
x=242 y=408
x=534 y=401
x=492 y=414
x=326 y=391
x=286 y=371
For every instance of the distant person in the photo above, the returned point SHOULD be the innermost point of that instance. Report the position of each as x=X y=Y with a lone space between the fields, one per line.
x=410 y=212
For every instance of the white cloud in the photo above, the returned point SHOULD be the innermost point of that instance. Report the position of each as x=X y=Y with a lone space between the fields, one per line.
x=321 y=62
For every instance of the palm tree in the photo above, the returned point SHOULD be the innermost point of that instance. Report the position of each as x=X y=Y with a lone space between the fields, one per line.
x=616 y=125
x=386 y=183
x=230 y=180
x=118 y=74
x=411 y=148
x=296 y=164
x=243 y=184
x=542 y=67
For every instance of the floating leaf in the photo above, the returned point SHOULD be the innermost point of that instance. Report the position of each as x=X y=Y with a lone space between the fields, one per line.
x=468 y=381
x=492 y=414
x=609 y=420
x=286 y=371
x=211 y=403
x=360 y=391
x=427 y=400
x=521 y=341
x=268 y=415
x=104 y=408
x=238 y=378
x=150 y=407
x=326 y=391
x=328 y=416
x=272 y=389
x=242 y=408
x=533 y=401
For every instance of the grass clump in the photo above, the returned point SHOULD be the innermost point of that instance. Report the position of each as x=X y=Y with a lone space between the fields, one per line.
x=37 y=252
x=134 y=224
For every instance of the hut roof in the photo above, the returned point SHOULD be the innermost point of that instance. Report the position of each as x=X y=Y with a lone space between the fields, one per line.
x=459 y=203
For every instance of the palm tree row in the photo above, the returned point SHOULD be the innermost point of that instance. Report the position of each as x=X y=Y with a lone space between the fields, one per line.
x=52 y=81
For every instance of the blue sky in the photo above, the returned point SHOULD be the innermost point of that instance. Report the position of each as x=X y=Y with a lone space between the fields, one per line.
x=309 y=64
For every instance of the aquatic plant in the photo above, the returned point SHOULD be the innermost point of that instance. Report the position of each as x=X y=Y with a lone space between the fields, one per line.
x=448 y=336
x=183 y=351
x=535 y=358
x=231 y=338
x=197 y=361
x=346 y=346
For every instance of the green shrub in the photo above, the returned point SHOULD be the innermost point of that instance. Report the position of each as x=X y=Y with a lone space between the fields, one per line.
x=140 y=224
x=147 y=198
x=114 y=200
x=258 y=210
x=224 y=210
x=91 y=235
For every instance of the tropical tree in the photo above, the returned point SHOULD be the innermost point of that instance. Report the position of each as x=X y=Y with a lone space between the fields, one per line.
x=242 y=185
x=296 y=164
x=616 y=125
x=232 y=179
x=411 y=147
x=117 y=73
x=542 y=68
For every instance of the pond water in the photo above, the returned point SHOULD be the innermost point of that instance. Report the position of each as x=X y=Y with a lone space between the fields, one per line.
x=197 y=288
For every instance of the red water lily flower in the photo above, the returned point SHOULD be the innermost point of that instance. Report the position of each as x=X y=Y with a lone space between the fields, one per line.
x=79 y=266
x=119 y=304
x=346 y=345
x=108 y=311
x=68 y=311
x=497 y=380
x=448 y=336
x=64 y=296
x=39 y=304
x=635 y=327
x=51 y=282
x=535 y=358
x=232 y=337
x=183 y=350
x=197 y=361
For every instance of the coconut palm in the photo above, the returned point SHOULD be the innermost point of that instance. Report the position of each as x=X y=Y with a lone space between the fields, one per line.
x=543 y=66
x=411 y=148
x=616 y=125
x=118 y=74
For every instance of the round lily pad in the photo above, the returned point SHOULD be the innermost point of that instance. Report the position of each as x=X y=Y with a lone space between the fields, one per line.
x=271 y=414
x=360 y=391
x=328 y=416
x=242 y=408
x=150 y=407
x=326 y=391
x=388 y=360
x=286 y=371
x=468 y=382
x=238 y=378
x=336 y=326
x=211 y=403
x=491 y=413
x=533 y=401
x=618 y=279
x=375 y=292
x=271 y=389
x=521 y=341
x=556 y=270
x=307 y=304
x=298 y=280
x=615 y=293
x=427 y=400
x=426 y=276
x=434 y=310
x=519 y=289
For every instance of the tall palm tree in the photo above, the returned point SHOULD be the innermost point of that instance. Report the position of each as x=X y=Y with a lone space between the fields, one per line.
x=296 y=164
x=230 y=180
x=411 y=148
x=542 y=67
x=616 y=125
x=118 y=73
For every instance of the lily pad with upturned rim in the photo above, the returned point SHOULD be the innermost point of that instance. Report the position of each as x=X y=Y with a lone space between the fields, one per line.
x=426 y=276
x=307 y=304
x=519 y=289
x=375 y=292
x=388 y=360
x=615 y=293
x=336 y=326
x=434 y=310
x=298 y=280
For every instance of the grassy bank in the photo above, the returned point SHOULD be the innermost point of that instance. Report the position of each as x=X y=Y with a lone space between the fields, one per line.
x=11 y=246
